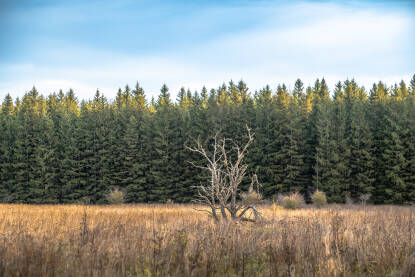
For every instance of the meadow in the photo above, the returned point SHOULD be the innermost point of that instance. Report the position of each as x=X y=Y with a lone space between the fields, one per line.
x=177 y=240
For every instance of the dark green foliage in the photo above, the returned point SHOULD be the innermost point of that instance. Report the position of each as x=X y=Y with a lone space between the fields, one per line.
x=57 y=150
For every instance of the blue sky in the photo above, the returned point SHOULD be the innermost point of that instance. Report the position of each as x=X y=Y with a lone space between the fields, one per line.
x=87 y=45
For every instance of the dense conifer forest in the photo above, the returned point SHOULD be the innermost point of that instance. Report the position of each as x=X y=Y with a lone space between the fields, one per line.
x=346 y=142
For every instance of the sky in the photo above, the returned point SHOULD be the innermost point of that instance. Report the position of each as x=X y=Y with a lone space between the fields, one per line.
x=90 y=45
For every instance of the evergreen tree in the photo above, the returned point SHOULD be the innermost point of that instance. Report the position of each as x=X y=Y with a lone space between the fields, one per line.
x=390 y=185
x=339 y=176
x=298 y=92
x=412 y=85
x=135 y=164
x=283 y=176
x=57 y=150
x=324 y=144
x=161 y=187
x=262 y=150
x=408 y=140
x=295 y=179
x=139 y=97
x=7 y=106
x=360 y=149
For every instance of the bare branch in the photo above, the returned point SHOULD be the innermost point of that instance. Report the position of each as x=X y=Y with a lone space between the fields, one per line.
x=221 y=191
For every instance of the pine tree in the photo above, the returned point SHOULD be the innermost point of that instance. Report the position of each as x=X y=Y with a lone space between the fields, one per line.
x=139 y=97
x=161 y=166
x=8 y=139
x=261 y=152
x=56 y=150
x=31 y=150
x=50 y=191
x=412 y=85
x=135 y=164
x=127 y=96
x=391 y=186
x=339 y=181
x=408 y=140
x=404 y=90
x=7 y=106
x=181 y=97
x=298 y=92
x=323 y=91
x=281 y=144
x=119 y=100
x=360 y=147
x=387 y=147
x=295 y=179
x=80 y=175
x=324 y=144
x=70 y=177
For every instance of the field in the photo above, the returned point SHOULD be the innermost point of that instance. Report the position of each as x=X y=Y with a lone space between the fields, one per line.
x=176 y=240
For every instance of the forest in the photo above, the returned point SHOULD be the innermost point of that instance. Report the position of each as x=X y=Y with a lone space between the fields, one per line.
x=346 y=142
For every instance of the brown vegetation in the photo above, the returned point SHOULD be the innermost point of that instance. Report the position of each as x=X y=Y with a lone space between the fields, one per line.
x=176 y=240
x=319 y=198
x=293 y=201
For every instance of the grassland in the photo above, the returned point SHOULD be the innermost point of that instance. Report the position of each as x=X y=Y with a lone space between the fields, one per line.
x=176 y=240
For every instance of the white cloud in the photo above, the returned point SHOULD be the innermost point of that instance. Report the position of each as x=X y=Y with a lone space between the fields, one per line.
x=317 y=40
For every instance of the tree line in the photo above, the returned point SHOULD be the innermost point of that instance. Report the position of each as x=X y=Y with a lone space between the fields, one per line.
x=347 y=142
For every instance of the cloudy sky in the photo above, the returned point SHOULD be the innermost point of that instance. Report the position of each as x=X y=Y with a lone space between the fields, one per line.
x=106 y=44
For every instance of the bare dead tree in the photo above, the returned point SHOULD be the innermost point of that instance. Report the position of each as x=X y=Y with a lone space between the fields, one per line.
x=221 y=192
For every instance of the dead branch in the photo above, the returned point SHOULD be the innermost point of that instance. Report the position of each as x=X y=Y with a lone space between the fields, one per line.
x=221 y=192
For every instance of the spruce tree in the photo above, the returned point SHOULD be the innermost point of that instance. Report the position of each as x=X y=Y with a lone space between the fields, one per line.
x=295 y=179
x=261 y=152
x=360 y=147
x=161 y=166
x=324 y=144
x=135 y=163
x=7 y=107
x=408 y=141
x=412 y=85
x=279 y=157
x=56 y=150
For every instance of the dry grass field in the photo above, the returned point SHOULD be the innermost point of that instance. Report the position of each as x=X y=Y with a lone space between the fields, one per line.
x=176 y=240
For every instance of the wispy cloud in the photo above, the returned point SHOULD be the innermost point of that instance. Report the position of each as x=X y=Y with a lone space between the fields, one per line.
x=287 y=41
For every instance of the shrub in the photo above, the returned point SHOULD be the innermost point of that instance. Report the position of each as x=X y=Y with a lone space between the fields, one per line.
x=251 y=197
x=293 y=201
x=115 y=196
x=319 y=198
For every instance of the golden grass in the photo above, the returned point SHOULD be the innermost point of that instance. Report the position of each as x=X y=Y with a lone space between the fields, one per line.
x=176 y=240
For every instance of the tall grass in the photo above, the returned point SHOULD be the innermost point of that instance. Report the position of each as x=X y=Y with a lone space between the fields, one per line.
x=176 y=240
